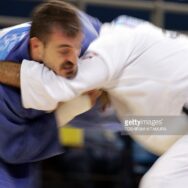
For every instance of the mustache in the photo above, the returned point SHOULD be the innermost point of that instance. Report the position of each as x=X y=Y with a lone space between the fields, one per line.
x=67 y=65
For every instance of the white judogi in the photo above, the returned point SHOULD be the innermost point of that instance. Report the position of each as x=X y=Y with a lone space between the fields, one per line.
x=171 y=169
x=144 y=70
x=135 y=66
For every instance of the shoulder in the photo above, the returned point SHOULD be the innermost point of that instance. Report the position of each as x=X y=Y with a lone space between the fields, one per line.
x=15 y=29
x=11 y=36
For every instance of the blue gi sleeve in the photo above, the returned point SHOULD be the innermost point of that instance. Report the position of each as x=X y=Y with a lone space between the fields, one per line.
x=91 y=27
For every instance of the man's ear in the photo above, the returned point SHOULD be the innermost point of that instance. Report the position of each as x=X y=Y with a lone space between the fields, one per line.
x=36 y=48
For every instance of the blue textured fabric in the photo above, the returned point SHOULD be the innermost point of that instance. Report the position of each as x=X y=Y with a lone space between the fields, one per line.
x=27 y=136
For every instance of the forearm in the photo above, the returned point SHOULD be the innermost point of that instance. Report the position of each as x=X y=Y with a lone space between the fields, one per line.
x=45 y=90
x=10 y=73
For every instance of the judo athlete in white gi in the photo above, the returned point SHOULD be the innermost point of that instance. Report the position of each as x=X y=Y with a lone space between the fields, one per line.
x=144 y=71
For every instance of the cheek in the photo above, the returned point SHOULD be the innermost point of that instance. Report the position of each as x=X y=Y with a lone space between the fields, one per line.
x=73 y=57
x=49 y=61
x=50 y=58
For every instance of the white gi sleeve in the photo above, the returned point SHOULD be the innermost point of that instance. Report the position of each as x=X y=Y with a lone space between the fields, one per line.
x=42 y=89
x=66 y=111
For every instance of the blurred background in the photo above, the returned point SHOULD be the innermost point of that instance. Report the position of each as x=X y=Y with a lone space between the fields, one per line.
x=171 y=14
x=100 y=157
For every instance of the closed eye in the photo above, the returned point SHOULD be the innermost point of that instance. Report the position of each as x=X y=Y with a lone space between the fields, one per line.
x=65 y=51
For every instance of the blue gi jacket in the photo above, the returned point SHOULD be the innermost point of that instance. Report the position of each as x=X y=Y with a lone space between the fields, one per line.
x=26 y=135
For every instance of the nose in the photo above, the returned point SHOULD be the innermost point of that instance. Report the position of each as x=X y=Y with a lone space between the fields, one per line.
x=72 y=58
x=69 y=64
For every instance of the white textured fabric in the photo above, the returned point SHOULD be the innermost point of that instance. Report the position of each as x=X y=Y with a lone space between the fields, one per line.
x=143 y=69
x=170 y=170
x=65 y=112
x=145 y=72
x=55 y=87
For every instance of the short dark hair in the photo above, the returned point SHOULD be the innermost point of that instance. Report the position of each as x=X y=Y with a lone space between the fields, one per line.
x=52 y=14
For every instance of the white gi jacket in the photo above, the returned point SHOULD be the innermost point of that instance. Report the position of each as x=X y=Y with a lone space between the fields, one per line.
x=144 y=70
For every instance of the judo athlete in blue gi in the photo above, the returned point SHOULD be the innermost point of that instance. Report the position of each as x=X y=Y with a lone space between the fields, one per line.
x=28 y=136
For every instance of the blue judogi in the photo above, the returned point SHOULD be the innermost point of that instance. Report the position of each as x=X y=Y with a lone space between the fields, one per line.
x=27 y=136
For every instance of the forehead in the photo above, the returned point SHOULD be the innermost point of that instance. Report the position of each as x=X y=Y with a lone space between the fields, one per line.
x=59 y=37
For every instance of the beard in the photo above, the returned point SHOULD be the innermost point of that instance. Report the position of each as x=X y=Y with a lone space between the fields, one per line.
x=72 y=74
